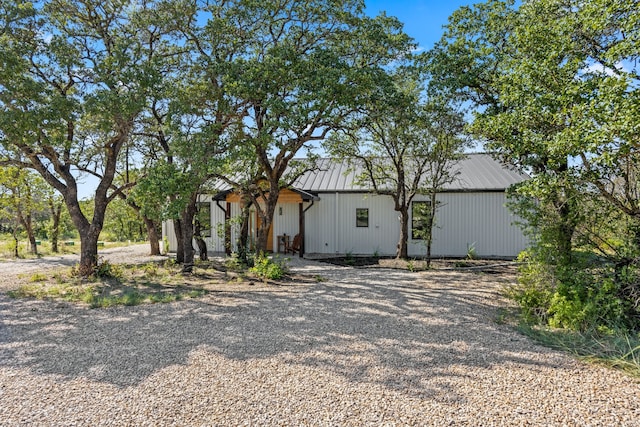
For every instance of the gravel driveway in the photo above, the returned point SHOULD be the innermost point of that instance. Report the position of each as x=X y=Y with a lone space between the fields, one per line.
x=364 y=347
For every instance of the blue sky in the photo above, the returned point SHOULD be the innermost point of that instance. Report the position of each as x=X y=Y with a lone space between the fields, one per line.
x=423 y=19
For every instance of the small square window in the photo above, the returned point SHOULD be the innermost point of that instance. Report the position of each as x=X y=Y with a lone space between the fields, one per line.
x=362 y=217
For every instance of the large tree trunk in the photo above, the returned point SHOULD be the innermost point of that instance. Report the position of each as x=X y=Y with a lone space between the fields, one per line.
x=89 y=231
x=243 y=238
x=152 y=235
x=266 y=220
x=187 y=235
x=88 y=253
x=402 y=249
x=177 y=228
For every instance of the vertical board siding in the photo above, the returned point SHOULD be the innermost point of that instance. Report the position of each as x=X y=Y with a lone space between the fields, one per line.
x=217 y=227
x=331 y=225
x=464 y=220
x=478 y=220
x=321 y=232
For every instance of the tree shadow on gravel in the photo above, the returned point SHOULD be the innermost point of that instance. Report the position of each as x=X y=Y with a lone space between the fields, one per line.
x=399 y=330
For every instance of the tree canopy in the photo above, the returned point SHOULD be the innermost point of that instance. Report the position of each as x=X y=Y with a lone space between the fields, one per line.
x=554 y=90
x=74 y=79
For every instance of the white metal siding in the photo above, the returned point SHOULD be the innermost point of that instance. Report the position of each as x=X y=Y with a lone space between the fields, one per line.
x=464 y=220
x=478 y=220
x=331 y=225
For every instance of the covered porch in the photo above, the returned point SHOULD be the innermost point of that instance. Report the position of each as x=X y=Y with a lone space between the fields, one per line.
x=287 y=231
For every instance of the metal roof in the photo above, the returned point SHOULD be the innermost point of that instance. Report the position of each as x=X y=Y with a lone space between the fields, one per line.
x=476 y=172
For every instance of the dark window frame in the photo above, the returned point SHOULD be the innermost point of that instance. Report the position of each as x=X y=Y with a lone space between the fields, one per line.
x=362 y=221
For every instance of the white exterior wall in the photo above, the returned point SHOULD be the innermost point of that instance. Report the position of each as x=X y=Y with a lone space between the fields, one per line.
x=464 y=220
x=479 y=220
x=330 y=225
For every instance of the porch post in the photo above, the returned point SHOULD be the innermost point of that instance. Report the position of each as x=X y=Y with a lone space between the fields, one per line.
x=301 y=228
x=227 y=229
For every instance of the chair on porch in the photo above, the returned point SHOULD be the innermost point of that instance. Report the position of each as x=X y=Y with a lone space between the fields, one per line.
x=295 y=245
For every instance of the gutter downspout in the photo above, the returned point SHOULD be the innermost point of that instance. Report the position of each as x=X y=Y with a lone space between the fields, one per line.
x=335 y=221
x=309 y=207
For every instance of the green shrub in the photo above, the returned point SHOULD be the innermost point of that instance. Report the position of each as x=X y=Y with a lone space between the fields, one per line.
x=471 y=251
x=590 y=299
x=268 y=268
x=534 y=291
x=234 y=263
x=150 y=269
x=107 y=270
x=587 y=295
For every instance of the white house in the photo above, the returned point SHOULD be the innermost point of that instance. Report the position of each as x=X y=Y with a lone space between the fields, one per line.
x=336 y=216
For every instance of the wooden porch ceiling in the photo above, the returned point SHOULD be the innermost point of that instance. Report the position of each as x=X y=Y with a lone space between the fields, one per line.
x=286 y=196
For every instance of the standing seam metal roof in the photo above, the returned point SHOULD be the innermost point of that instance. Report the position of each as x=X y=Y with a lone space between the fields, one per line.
x=476 y=172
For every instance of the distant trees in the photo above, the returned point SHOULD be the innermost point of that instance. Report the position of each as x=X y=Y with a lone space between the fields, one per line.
x=23 y=197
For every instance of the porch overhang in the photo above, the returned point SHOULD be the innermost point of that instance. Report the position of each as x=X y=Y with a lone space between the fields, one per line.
x=287 y=195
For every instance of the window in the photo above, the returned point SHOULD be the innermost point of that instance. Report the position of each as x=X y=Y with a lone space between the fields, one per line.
x=203 y=218
x=420 y=212
x=362 y=217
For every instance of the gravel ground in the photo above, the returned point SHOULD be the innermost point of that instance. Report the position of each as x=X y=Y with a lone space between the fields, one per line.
x=364 y=347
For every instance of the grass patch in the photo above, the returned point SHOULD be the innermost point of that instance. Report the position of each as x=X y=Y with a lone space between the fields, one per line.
x=37 y=277
x=618 y=350
x=112 y=285
x=98 y=296
x=150 y=283
x=65 y=291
